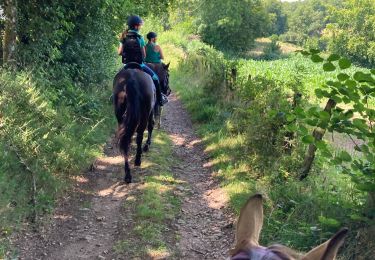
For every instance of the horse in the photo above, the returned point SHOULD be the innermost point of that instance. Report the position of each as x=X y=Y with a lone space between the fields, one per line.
x=248 y=230
x=134 y=100
x=162 y=70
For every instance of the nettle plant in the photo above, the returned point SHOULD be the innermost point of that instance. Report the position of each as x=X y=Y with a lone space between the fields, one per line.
x=349 y=110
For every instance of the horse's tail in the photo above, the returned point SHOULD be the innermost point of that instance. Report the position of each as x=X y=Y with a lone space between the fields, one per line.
x=131 y=117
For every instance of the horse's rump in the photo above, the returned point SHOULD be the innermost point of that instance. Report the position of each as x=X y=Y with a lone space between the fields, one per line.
x=134 y=99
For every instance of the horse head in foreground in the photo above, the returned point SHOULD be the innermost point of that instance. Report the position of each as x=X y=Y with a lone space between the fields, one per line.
x=248 y=231
x=134 y=101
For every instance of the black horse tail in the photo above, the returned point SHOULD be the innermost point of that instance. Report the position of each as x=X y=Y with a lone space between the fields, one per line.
x=132 y=116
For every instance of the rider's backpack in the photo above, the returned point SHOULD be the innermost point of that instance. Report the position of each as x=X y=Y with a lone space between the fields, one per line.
x=131 y=51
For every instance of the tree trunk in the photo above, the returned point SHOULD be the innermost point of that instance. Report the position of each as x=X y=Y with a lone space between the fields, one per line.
x=318 y=136
x=10 y=32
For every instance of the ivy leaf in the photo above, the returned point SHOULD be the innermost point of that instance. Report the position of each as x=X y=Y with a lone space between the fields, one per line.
x=369 y=187
x=362 y=77
x=346 y=100
x=345 y=156
x=364 y=148
x=328 y=66
x=316 y=58
x=319 y=93
x=304 y=53
x=300 y=112
x=350 y=83
x=308 y=139
x=342 y=76
x=321 y=145
x=326 y=153
x=290 y=117
x=336 y=99
x=303 y=130
x=291 y=128
x=324 y=116
x=344 y=63
x=314 y=51
x=360 y=124
x=333 y=57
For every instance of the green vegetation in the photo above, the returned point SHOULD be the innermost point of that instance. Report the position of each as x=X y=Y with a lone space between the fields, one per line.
x=258 y=114
x=242 y=110
x=343 y=27
x=57 y=64
x=231 y=24
x=155 y=205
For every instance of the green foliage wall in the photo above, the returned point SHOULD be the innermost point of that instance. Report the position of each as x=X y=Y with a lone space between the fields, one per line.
x=344 y=27
x=352 y=31
x=231 y=25
x=55 y=112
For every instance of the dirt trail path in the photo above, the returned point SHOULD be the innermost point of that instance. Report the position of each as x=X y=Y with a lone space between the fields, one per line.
x=204 y=226
x=87 y=224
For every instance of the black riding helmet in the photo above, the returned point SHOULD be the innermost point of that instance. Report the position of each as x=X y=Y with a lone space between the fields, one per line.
x=151 y=35
x=134 y=20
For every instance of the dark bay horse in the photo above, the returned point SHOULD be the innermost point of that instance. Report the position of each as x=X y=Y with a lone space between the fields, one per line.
x=134 y=101
x=162 y=70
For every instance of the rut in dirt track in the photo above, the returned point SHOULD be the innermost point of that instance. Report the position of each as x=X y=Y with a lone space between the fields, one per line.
x=86 y=224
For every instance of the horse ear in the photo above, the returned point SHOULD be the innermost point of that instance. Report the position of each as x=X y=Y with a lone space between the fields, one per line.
x=166 y=66
x=249 y=224
x=328 y=250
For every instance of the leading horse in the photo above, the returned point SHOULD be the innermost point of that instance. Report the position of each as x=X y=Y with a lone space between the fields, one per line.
x=162 y=70
x=134 y=101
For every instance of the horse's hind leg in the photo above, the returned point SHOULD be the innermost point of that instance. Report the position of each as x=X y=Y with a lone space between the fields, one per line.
x=125 y=147
x=128 y=176
x=138 y=160
x=157 y=111
x=150 y=128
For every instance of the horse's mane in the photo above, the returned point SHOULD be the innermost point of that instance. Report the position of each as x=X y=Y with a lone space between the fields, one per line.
x=274 y=252
x=285 y=253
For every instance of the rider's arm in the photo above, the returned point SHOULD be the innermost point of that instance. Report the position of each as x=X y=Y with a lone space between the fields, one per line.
x=119 y=50
x=161 y=53
x=143 y=49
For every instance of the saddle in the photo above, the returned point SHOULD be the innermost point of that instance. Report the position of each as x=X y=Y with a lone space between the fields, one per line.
x=133 y=65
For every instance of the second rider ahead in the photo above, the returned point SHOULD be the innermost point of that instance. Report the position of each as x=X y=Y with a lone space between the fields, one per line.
x=132 y=49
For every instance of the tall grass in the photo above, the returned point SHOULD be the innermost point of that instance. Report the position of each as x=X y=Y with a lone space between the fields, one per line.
x=47 y=134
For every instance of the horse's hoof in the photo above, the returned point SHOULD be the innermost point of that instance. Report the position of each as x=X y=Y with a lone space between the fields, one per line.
x=137 y=162
x=128 y=180
x=146 y=148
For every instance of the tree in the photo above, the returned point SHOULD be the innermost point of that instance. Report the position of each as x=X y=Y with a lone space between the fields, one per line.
x=351 y=31
x=276 y=17
x=232 y=25
x=10 y=33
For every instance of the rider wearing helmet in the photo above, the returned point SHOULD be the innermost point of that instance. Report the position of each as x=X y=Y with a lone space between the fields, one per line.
x=154 y=53
x=132 y=49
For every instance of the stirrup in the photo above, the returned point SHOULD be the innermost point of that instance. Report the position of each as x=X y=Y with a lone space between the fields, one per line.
x=164 y=99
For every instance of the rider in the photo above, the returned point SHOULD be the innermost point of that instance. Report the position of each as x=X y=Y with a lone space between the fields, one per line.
x=154 y=53
x=132 y=49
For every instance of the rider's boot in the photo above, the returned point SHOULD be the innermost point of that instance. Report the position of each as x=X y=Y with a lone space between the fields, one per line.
x=159 y=97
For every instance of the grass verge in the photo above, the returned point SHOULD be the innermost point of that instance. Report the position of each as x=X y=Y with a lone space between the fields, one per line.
x=152 y=207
